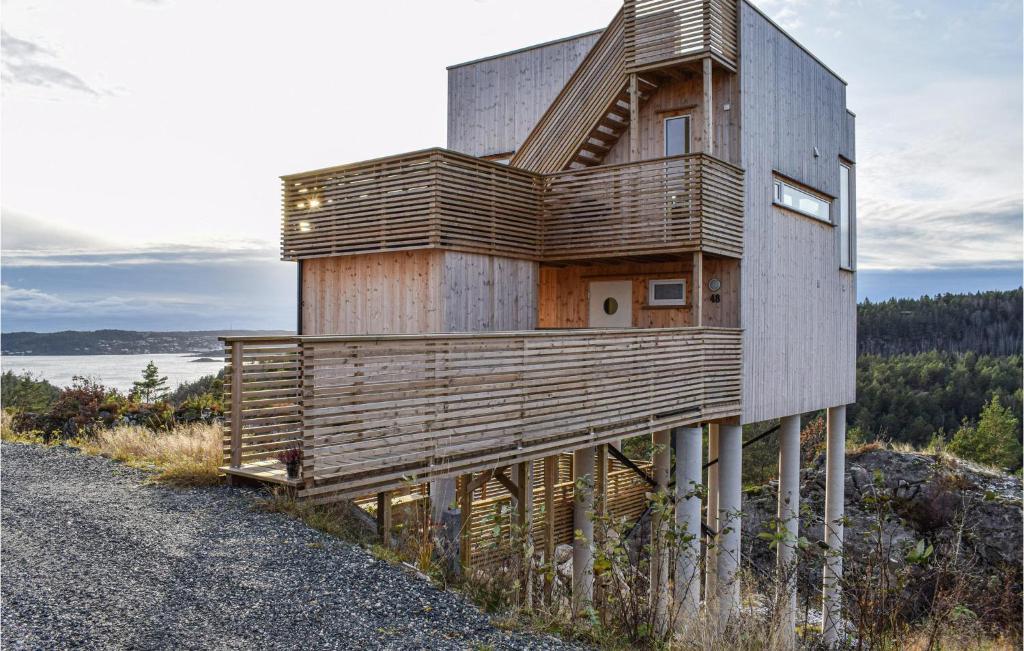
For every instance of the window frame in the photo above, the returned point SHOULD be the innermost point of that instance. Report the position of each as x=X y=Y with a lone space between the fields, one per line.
x=663 y=302
x=687 y=136
x=847 y=249
x=778 y=182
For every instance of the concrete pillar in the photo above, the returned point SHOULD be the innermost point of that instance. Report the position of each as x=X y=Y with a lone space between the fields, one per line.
x=789 y=521
x=662 y=468
x=582 y=552
x=688 y=476
x=730 y=464
x=711 y=562
x=835 y=471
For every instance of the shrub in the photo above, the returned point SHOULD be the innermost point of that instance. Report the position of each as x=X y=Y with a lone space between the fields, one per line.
x=207 y=387
x=79 y=410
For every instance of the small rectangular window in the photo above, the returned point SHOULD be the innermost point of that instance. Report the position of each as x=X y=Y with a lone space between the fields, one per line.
x=802 y=201
x=666 y=292
x=845 y=218
x=677 y=135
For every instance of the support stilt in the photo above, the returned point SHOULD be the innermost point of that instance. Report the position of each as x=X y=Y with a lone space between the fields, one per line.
x=789 y=521
x=662 y=461
x=730 y=452
x=550 y=478
x=711 y=517
x=384 y=518
x=582 y=553
x=688 y=477
x=524 y=521
x=832 y=575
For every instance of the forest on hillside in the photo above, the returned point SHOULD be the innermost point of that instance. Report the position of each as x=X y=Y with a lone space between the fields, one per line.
x=928 y=367
x=986 y=323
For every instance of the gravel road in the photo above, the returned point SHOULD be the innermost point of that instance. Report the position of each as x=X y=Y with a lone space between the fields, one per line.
x=92 y=557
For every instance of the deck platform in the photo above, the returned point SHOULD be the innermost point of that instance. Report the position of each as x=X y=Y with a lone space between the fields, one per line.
x=268 y=471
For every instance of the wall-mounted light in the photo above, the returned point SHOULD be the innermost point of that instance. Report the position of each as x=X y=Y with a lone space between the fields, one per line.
x=305 y=227
x=314 y=203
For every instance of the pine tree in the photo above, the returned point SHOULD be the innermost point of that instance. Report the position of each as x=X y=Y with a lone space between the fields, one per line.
x=152 y=387
x=993 y=440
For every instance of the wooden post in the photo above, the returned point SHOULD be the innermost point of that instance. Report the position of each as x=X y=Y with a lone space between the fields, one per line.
x=524 y=520
x=384 y=518
x=550 y=475
x=709 y=108
x=467 y=520
x=832 y=574
x=634 y=118
x=698 y=289
x=236 y=404
x=789 y=521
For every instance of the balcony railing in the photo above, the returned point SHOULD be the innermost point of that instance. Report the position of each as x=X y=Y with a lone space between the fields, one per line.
x=663 y=32
x=440 y=199
x=373 y=413
x=430 y=198
x=692 y=202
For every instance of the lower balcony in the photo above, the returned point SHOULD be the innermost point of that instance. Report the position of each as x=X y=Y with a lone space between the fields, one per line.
x=375 y=413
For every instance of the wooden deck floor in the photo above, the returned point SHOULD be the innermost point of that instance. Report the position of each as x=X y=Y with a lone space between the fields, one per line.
x=268 y=471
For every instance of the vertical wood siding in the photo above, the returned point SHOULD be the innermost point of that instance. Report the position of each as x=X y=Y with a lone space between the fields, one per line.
x=494 y=103
x=798 y=308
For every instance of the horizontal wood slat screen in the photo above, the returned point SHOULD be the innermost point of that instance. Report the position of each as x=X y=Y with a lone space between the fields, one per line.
x=583 y=101
x=685 y=203
x=379 y=412
x=493 y=511
x=439 y=199
x=270 y=417
x=424 y=199
x=661 y=32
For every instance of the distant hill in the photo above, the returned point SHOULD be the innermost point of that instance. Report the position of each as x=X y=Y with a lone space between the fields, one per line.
x=987 y=323
x=118 y=342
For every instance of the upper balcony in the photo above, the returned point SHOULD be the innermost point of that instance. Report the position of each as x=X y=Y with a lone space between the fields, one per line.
x=659 y=33
x=441 y=199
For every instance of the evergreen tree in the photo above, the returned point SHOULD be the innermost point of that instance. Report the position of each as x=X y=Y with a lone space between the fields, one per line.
x=993 y=440
x=152 y=387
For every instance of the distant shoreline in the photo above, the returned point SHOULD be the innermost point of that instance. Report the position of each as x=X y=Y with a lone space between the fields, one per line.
x=78 y=343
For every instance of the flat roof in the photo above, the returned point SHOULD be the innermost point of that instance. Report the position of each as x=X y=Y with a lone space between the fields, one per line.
x=526 y=49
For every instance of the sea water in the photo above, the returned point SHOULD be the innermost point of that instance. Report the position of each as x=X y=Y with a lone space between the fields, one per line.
x=114 y=371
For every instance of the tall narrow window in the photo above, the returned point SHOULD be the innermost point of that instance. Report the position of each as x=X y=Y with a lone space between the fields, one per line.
x=845 y=218
x=677 y=135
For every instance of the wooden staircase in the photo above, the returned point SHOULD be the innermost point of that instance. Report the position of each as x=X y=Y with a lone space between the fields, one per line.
x=612 y=126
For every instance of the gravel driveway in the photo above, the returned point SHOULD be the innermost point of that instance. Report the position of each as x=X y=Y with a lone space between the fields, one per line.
x=94 y=558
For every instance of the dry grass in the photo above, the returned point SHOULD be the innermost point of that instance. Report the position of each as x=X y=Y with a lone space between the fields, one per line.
x=185 y=456
x=10 y=435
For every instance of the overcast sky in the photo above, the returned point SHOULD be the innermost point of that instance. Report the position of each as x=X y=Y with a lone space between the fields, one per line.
x=142 y=140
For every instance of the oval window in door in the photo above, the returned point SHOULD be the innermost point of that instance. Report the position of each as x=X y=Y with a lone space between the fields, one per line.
x=611 y=306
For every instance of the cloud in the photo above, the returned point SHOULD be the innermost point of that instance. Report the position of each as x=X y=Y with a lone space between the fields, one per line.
x=24 y=62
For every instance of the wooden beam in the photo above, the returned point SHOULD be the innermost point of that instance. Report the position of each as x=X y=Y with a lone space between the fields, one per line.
x=524 y=509
x=466 y=508
x=634 y=118
x=698 y=288
x=236 y=404
x=504 y=480
x=708 y=108
x=550 y=473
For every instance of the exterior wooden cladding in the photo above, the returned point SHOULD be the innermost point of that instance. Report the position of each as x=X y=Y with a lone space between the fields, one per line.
x=442 y=200
x=662 y=32
x=417 y=292
x=378 y=412
x=563 y=297
x=494 y=103
x=426 y=199
x=798 y=306
x=669 y=205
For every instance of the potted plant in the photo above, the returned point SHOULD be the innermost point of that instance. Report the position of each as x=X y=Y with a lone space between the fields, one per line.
x=291 y=457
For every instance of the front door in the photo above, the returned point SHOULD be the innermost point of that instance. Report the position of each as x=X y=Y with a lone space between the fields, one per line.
x=611 y=304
